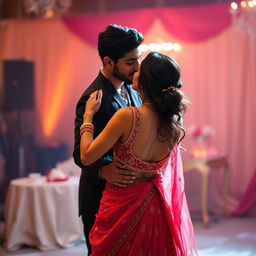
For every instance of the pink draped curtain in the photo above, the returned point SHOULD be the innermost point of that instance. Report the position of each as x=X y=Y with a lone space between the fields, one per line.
x=247 y=204
x=218 y=71
x=192 y=24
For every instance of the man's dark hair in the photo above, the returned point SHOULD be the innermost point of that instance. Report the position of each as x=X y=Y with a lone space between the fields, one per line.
x=115 y=41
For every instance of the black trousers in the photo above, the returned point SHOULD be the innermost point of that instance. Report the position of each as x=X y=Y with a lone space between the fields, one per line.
x=88 y=223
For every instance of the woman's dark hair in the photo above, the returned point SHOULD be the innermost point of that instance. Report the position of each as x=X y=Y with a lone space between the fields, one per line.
x=116 y=40
x=159 y=80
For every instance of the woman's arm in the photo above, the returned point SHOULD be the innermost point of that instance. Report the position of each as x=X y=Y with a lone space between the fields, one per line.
x=91 y=150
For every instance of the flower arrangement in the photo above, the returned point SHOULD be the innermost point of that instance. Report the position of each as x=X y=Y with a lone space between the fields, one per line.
x=202 y=132
x=202 y=147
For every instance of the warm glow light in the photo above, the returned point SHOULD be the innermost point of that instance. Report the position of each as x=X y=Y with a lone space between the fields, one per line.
x=155 y=47
x=243 y=4
x=251 y=4
x=144 y=47
x=200 y=153
x=158 y=47
x=177 y=47
x=54 y=99
x=234 y=5
x=167 y=46
x=49 y=14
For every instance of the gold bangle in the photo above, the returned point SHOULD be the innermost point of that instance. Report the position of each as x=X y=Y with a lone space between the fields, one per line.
x=86 y=124
x=86 y=130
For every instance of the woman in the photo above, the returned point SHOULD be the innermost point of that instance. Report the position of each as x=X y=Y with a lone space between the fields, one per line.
x=150 y=216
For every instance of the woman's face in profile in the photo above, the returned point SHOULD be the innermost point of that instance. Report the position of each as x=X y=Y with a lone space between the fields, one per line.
x=135 y=81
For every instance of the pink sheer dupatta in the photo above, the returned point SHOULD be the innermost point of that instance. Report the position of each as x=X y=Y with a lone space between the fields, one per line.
x=172 y=190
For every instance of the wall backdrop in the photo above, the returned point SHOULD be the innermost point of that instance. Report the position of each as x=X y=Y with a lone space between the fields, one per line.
x=218 y=66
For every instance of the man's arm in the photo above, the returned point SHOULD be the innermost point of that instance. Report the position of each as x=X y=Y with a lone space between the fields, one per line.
x=117 y=174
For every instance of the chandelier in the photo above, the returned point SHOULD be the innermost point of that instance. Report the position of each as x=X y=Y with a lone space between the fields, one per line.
x=46 y=8
x=244 y=16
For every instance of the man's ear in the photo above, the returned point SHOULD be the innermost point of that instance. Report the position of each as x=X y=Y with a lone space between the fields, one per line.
x=107 y=61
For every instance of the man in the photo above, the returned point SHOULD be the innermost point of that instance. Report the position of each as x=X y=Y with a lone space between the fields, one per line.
x=118 y=50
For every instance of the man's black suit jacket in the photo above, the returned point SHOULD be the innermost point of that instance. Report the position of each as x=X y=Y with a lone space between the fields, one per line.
x=91 y=186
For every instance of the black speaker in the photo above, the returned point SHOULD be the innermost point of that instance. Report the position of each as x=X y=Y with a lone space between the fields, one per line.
x=18 y=85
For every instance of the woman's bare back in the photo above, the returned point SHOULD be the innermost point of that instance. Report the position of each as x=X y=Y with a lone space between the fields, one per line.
x=147 y=146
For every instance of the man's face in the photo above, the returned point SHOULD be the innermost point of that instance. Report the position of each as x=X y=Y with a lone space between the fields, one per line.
x=127 y=66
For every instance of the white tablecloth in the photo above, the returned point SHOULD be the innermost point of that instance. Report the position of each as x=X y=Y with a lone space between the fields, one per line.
x=42 y=214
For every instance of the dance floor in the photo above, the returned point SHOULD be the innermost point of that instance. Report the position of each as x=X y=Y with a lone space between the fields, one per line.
x=224 y=237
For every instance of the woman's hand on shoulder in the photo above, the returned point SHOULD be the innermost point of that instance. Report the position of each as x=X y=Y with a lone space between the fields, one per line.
x=94 y=102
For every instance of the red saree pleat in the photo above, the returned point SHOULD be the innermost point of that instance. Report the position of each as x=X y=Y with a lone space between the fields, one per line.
x=130 y=222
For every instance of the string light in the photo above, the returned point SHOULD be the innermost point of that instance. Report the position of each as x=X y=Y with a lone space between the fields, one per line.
x=158 y=47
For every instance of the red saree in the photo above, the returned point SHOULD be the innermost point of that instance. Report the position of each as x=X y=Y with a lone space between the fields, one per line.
x=150 y=217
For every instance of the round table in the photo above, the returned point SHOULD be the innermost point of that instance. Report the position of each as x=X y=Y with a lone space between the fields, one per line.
x=42 y=214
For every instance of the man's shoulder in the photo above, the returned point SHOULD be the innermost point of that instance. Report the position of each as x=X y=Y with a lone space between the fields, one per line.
x=99 y=83
x=95 y=85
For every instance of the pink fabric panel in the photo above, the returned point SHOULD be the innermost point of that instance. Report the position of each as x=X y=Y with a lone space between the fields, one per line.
x=249 y=198
x=88 y=27
x=196 y=23
x=191 y=24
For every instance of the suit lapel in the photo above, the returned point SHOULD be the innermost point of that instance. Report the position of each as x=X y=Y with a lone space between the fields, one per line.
x=134 y=97
x=111 y=89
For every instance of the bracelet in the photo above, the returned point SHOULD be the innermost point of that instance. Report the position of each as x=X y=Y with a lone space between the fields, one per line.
x=86 y=124
x=86 y=130
x=86 y=127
